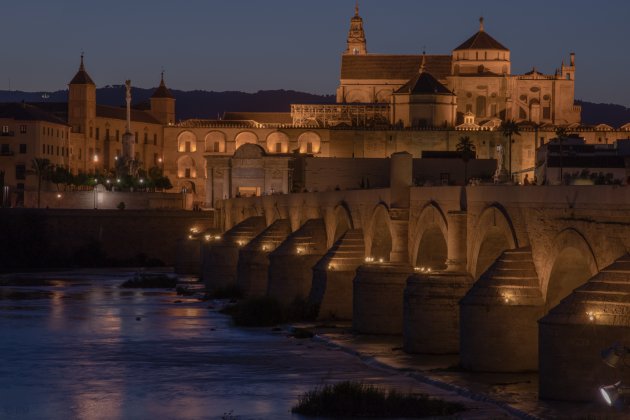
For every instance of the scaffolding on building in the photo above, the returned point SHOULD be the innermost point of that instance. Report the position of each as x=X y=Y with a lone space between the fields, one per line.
x=332 y=115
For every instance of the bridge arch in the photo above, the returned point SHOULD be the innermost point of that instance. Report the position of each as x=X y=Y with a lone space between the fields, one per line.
x=493 y=234
x=378 y=238
x=430 y=235
x=571 y=263
x=340 y=223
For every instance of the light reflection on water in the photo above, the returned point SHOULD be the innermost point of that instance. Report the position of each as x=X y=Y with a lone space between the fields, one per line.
x=83 y=348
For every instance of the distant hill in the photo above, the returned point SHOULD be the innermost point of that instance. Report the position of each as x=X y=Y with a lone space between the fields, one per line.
x=189 y=104
x=611 y=114
x=203 y=104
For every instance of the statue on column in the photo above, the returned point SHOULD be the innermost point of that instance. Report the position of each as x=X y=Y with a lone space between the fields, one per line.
x=128 y=163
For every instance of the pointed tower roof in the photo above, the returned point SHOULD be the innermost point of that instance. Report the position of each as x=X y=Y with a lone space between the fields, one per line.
x=481 y=41
x=356 y=11
x=162 y=91
x=356 y=35
x=424 y=83
x=82 y=77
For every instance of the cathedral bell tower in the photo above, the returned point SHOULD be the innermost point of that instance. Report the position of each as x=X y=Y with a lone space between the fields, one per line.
x=81 y=101
x=163 y=104
x=356 y=36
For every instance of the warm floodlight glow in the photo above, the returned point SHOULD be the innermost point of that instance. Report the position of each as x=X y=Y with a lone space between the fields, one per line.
x=217 y=237
x=299 y=250
x=380 y=260
x=190 y=236
x=207 y=238
x=95 y=158
x=194 y=230
x=369 y=259
x=591 y=316
x=331 y=266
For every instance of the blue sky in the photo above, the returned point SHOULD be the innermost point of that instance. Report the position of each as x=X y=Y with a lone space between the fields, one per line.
x=250 y=45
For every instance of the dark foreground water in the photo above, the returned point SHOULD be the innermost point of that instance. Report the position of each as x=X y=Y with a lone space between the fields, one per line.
x=81 y=347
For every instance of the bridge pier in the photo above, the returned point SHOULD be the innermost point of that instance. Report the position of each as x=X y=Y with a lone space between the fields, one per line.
x=498 y=316
x=253 y=261
x=291 y=264
x=188 y=259
x=220 y=256
x=574 y=333
x=431 y=312
x=333 y=275
x=378 y=291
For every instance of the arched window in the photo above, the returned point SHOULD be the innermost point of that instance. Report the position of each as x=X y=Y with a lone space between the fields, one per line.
x=480 y=106
x=215 y=142
x=244 y=138
x=187 y=142
x=186 y=167
x=309 y=142
x=277 y=142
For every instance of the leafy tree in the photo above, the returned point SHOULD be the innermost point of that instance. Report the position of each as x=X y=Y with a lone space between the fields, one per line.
x=467 y=150
x=60 y=175
x=510 y=129
x=42 y=169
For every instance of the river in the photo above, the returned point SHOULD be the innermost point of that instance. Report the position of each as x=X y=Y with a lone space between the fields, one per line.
x=78 y=346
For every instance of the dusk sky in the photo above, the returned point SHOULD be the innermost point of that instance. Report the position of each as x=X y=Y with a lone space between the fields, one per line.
x=250 y=45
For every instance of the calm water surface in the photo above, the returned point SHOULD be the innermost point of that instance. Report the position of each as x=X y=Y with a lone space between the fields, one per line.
x=81 y=347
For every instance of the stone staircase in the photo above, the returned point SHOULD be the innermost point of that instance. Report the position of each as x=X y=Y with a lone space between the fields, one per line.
x=346 y=254
x=575 y=332
x=511 y=280
x=333 y=275
x=603 y=300
x=241 y=234
x=253 y=262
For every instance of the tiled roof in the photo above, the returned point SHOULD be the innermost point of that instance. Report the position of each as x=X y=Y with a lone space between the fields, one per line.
x=120 y=113
x=260 y=117
x=162 y=91
x=424 y=83
x=393 y=67
x=481 y=41
x=27 y=112
x=81 y=78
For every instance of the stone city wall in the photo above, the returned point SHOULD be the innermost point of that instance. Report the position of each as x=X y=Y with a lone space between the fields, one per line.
x=32 y=238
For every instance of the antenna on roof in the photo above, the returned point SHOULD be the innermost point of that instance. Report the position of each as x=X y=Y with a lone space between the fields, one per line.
x=481 y=24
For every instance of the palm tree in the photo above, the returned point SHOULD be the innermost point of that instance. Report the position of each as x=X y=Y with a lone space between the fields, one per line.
x=510 y=129
x=561 y=134
x=42 y=169
x=467 y=150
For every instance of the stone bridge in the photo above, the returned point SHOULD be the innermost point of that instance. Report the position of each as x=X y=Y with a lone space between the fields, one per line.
x=512 y=278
